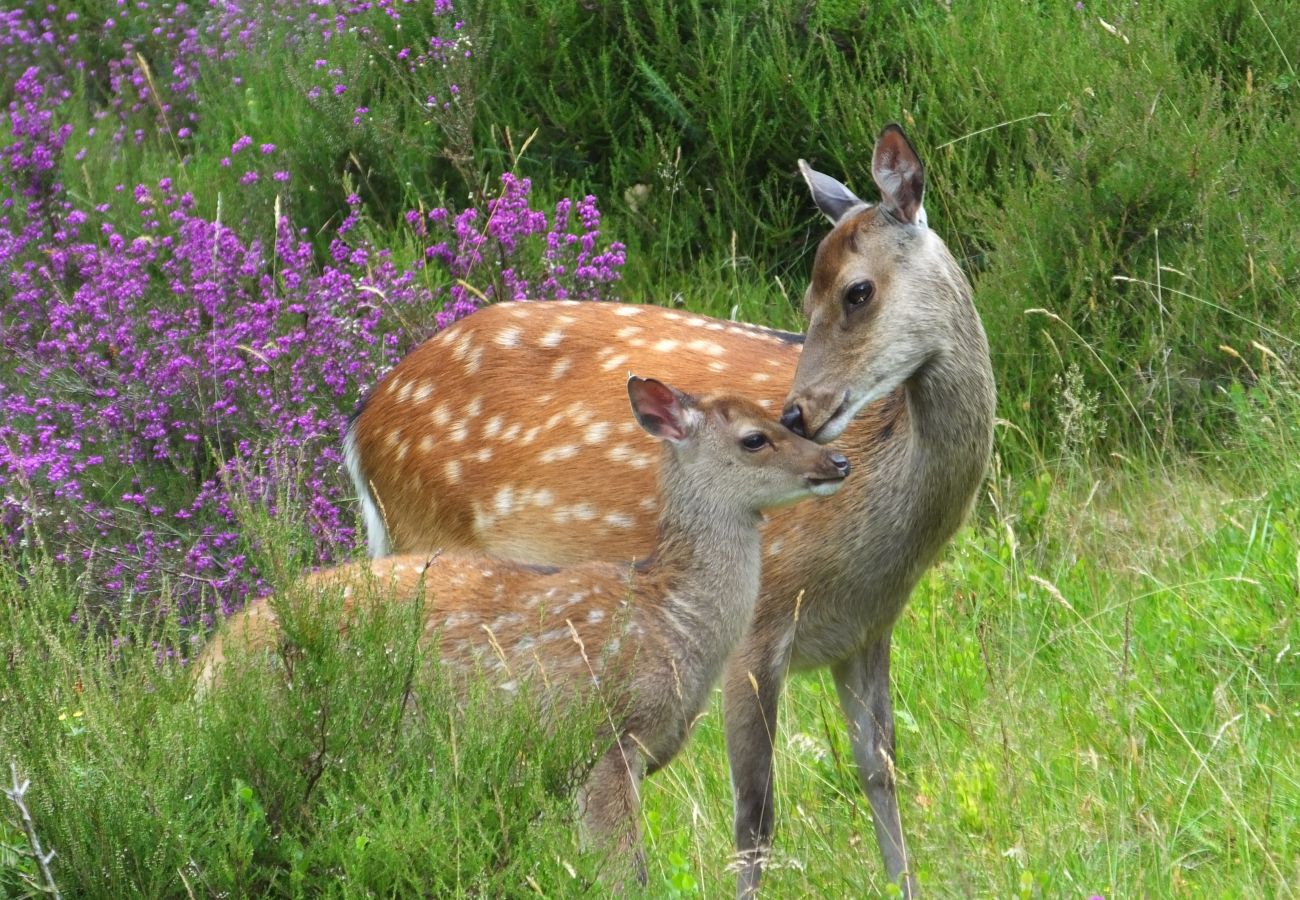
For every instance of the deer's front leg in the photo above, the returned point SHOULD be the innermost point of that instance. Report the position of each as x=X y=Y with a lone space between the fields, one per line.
x=863 y=685
x=609 y=804
x=751 y=689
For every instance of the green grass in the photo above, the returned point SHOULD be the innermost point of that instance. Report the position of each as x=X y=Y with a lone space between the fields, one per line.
x=1096 y=689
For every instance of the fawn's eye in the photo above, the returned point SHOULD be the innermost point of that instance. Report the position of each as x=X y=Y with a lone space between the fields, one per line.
x=859 y=295
x=754 y=441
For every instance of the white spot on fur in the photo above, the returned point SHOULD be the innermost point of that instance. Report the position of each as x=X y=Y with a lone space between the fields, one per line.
x=614 y=362
x=484 y=454
x=628 y=311
x=619 y=453
x=640 y=462
x=665 y=346
x=394 y=384
x=394 y=436
x=507 y=338
x=619 y=520
x=452 y=469
x=492 y=427
x=717 y=366
x=624 y=333
x=402 y=449
x=475 y=360
x=459 y=432
x=530 y=435
x=584 y=512
x=505 y=501
x=649 y=503
x=426 y=443
x=760 y=377
x=512 y=432
x=556 y=454
x=543 y=498
x=596 y=615
x=561 y=366
x=596 y=433
x=441 y=415
x=551 y=339
x=474 y=408
x=405 y=393
x=626 y=428
x=711 y=348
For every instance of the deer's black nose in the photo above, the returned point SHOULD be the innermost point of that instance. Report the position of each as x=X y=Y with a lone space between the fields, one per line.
x=841 y=464
x=792 y=418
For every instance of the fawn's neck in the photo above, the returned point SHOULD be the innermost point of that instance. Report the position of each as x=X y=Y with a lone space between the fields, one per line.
x=707 y=564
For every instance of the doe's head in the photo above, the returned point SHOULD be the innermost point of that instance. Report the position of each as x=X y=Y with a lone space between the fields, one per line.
x=736 y=448
x=879 y=301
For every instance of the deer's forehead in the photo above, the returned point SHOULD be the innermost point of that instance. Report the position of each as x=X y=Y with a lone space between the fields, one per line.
x=858 y=235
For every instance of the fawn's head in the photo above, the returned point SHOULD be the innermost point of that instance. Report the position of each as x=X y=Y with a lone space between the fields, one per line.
x=735 y=447
x=880 y=302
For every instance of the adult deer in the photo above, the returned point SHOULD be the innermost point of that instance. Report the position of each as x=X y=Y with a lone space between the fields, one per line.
x=651 y=640
x=447 y=452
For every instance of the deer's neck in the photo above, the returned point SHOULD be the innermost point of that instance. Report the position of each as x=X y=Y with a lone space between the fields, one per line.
x=951 y=405
x=707 y=566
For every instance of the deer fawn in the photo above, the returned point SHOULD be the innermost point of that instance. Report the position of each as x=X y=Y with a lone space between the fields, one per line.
x=651 y=638
x=450 y=450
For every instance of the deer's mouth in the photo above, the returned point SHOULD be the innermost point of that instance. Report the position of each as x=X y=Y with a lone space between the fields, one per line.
x=838 y=421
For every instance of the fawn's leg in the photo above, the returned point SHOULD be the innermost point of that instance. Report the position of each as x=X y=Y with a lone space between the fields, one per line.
x=863 y=685
x=751 y=688
x=609 y=804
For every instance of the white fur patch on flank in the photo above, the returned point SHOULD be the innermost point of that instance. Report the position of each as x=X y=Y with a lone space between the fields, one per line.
x=596 y=615
x=596 y=433
x=452 y=470
x=618 y=520
x=556 y=454
x=426 y=443
x=474 y=408
x=512 y=432
x=394 y=384
x=460 y=347
x=484 y=454
x=518 y=310
x=584 y=512
x=394 y=437
x=459 y=432
x=561 y=366
x=441 y=415
x=619 y=453
x=405 y=393
x=640 y=462
x=402 y=449
x=492 y=427
x=543 y=498
x=475 y=360
x=626 y=428
x=760 y=377
x=551 y=339
x=667 y=345
x=717 y=366
x=422 y=392
x=649 y=503
x=628 y=311
x=614 y=362
x=507 y=338
x=377 y=543
x=624 y=333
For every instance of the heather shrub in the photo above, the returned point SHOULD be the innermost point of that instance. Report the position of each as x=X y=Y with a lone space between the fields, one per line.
x=167 y=367
x=349 y=766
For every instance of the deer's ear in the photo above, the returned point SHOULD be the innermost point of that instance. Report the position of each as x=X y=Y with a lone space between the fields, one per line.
x=664 y=412
x=899 y=175
x=831 y=197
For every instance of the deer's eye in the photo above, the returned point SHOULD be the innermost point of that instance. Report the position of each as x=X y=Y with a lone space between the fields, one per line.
x=754 y=441
x=859 y=295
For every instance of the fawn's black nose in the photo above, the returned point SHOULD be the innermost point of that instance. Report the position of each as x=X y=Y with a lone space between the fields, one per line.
x=841 y=464
x=792 y=418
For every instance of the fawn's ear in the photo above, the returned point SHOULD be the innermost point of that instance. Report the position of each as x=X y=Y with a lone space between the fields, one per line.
x=663 y=411
x=831 y=197
x=899 y=175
